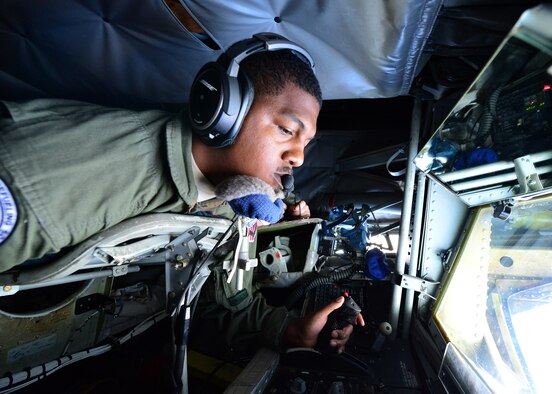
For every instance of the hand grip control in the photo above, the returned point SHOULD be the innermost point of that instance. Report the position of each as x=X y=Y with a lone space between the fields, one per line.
x=346 y=314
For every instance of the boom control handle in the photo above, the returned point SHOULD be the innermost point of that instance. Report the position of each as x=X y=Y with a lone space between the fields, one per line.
x=346 y=314
x=341 y=317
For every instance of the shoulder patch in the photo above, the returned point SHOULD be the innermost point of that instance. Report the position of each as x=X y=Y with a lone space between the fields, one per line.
x=8 y=212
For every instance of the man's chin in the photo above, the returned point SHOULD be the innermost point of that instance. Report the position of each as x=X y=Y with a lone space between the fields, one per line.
x=276 y=185
x=279 y=191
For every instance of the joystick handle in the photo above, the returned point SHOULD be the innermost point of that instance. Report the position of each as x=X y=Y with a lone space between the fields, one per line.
x=344 y=315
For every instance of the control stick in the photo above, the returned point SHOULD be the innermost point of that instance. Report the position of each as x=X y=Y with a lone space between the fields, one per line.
x=343 y=316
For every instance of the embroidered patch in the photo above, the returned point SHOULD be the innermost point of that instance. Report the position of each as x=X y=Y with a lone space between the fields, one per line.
x=8 y=212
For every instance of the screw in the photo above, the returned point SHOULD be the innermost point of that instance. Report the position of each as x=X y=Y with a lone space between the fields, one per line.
x=181 y=263
x=7 y=288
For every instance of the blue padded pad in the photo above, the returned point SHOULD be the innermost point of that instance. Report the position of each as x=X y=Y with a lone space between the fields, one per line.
x=362 y=49
x=135 y=53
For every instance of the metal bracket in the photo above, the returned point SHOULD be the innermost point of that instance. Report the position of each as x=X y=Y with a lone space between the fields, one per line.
x=131 y=252
x=248 y=264
x=527 y=175
x=445 y=256
x=95 y=302
x=503 y=209
x=244 y=264
x=181 y=255
x=7 y=290
x=413 y=283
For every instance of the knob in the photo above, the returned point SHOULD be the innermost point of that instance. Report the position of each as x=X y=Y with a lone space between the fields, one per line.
x=297 y=386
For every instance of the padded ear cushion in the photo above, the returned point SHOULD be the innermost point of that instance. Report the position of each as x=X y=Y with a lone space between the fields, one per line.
x=214 y=103
x=247 y=93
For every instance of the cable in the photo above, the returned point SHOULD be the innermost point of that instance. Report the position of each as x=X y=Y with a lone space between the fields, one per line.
x=19 y=380
x=374 y=216
x=236 y=254
x=234 y=219
x=183 y=314
x=391 y=159
x=25 y=378
x=489 y=112
x=79 y=329
x=198 y=267
x=305 y=287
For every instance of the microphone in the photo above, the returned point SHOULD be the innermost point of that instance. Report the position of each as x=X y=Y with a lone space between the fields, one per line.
x=287 y=184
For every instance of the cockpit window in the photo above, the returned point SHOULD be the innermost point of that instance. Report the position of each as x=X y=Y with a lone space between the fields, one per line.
x=496 y=307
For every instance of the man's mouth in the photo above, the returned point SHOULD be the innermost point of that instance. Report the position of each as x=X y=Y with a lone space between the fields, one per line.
x=278 y=178
x=285 y=182
x=280 y=173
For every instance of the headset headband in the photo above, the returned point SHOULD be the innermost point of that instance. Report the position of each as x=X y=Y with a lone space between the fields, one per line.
x=221 y=96
x=259 y=43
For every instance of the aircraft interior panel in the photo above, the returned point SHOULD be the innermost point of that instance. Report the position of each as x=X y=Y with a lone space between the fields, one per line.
x=451 y=269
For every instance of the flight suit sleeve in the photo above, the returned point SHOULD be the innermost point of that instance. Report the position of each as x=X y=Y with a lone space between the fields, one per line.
x=74 y=169
x=230 y=323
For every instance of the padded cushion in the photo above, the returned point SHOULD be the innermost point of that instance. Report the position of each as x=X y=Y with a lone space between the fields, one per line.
x=138 y=54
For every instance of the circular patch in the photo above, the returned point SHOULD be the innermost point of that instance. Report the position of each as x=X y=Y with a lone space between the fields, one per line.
x=8 y=212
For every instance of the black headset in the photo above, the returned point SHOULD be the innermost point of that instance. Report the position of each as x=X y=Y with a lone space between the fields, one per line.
x=221 y=95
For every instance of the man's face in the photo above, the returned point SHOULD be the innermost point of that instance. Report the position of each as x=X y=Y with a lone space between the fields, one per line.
x=274 y=134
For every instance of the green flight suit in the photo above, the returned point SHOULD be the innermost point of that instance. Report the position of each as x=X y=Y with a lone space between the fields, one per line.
x=75 y=169
x=233 y=324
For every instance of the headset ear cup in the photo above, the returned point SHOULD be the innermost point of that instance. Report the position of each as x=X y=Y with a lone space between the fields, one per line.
x=214 y=104
x=247 y=95
x=222 y=94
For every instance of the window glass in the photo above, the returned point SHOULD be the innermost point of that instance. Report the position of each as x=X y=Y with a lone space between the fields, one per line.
x=496 y=307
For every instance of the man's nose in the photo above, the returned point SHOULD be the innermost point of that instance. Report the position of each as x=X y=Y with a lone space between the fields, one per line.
x=295 y=156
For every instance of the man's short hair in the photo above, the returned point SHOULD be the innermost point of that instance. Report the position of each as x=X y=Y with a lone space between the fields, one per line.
x=271 y=71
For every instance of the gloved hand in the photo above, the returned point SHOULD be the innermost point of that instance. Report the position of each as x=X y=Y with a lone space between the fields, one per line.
x=258 y=206
x=251 y=197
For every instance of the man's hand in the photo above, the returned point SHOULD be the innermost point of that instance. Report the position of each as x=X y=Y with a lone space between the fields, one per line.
x=297 y=211
x=304 y=332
